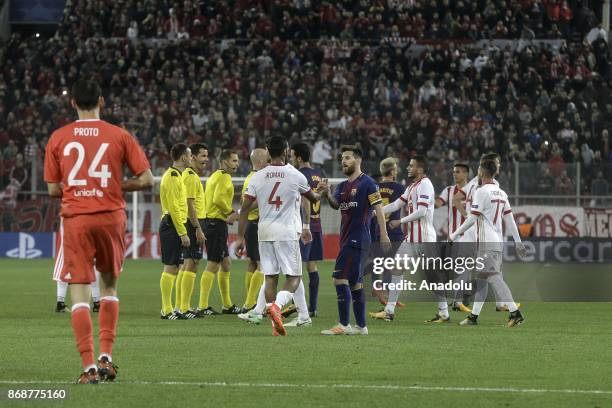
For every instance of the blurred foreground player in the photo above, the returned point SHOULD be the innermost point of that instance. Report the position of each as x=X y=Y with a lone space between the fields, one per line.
x=84 y=163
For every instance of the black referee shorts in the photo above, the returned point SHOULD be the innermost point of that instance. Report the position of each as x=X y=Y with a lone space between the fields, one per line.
x=216 y=239
x=251 y=240
x=171 y=249
x=195 y=250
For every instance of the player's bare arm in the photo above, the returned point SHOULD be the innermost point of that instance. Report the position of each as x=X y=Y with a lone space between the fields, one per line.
x=382 y=225
x=140 y=182
x=324 y=189
x=459 y=204
x=306 y=236
x=193 y=219
x=247 y=201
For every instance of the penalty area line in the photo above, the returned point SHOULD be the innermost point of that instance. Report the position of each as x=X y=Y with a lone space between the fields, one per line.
x=338 y=386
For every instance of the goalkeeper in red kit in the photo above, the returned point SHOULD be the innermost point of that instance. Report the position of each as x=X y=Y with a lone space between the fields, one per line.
x=84 y=163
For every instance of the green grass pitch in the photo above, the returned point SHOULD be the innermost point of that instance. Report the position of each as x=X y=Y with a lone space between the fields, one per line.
x=561 y=356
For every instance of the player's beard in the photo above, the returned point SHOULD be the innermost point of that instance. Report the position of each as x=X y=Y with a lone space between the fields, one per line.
x=348 y=170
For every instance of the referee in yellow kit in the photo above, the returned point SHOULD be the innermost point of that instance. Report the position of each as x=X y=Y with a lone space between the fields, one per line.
x=218 y=197
x=172 y=231
x=194 y=191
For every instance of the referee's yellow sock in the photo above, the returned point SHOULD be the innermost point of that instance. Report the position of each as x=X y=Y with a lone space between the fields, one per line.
x=177 y=290
x=165 y=284
x=187 y=284
x=256 y=282
x=223 y=279
x=206 y=283
x=247 y=281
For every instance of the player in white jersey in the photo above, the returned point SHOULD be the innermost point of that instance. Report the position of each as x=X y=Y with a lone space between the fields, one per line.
x=455 y=219
x=488 y=208
x=470 y=235
x=278 y=189
x=418 y=200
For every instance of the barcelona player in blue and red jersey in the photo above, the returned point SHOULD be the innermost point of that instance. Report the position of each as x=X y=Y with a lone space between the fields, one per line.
x=313 y=251
x=356 y=197
x=390 y=190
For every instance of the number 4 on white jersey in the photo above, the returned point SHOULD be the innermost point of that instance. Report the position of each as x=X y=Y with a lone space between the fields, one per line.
x=103 y=174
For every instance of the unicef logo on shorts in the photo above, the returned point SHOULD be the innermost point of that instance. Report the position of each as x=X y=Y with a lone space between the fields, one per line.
x=26 y=249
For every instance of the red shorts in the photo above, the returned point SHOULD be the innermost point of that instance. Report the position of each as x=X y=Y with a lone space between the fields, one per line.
x=87 y=240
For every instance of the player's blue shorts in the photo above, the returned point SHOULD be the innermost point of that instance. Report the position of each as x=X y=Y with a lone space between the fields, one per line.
x=313 y=251
x=350 y=263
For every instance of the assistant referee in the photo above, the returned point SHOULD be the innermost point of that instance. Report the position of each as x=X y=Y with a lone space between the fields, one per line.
x=218 y=197
x=172 y=231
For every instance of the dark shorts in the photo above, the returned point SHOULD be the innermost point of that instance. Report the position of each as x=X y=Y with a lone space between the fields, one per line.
x=171 y=249
x=195 y=250
x=215 y=231
x=349 y=264
x=252 y=241
x=313 y=251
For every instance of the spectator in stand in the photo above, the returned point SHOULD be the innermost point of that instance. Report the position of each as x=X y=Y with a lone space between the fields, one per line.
x=599 y=187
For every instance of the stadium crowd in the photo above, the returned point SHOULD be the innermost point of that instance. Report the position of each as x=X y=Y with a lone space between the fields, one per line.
x=231 y=73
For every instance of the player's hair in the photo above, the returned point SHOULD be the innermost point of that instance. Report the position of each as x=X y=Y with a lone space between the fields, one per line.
x=421 y=162
x=178 y=150
x=489 y=166
x=196 y=147
x=352 y=148
x=460 y=164
x=490 y=156
x=302 y=150
x=226 y=154
x=276 y=145
x=387 y=165
x=86 y=94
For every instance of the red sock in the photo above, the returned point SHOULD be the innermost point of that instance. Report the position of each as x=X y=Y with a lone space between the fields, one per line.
x=107 y=319
x=83 y=332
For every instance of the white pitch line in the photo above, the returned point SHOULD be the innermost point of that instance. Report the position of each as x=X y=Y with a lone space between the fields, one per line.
x=350 y=386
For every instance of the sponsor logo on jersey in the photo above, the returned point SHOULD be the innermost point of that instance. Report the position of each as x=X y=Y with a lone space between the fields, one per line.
x=94 y=192
x=348 y=205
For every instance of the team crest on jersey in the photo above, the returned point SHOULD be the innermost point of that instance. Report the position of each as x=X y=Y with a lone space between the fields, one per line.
x=353 y=192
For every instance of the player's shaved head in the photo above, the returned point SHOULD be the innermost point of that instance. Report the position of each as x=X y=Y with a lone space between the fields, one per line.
x=86 y=94
x=259 y=158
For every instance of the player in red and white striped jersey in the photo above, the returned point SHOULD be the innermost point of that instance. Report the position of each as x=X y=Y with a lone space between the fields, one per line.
x=489 y=209
x=419 y=200
x=454 y=205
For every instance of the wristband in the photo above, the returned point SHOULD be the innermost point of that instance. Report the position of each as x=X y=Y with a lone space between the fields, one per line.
x=305 y=226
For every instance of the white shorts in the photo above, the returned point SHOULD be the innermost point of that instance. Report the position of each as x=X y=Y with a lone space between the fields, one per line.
x=280 y=257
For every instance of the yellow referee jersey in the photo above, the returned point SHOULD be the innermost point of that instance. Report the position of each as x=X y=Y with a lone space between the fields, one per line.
x=195 y=190
x=173 y=201
x=254 y=213
x=218 y=195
